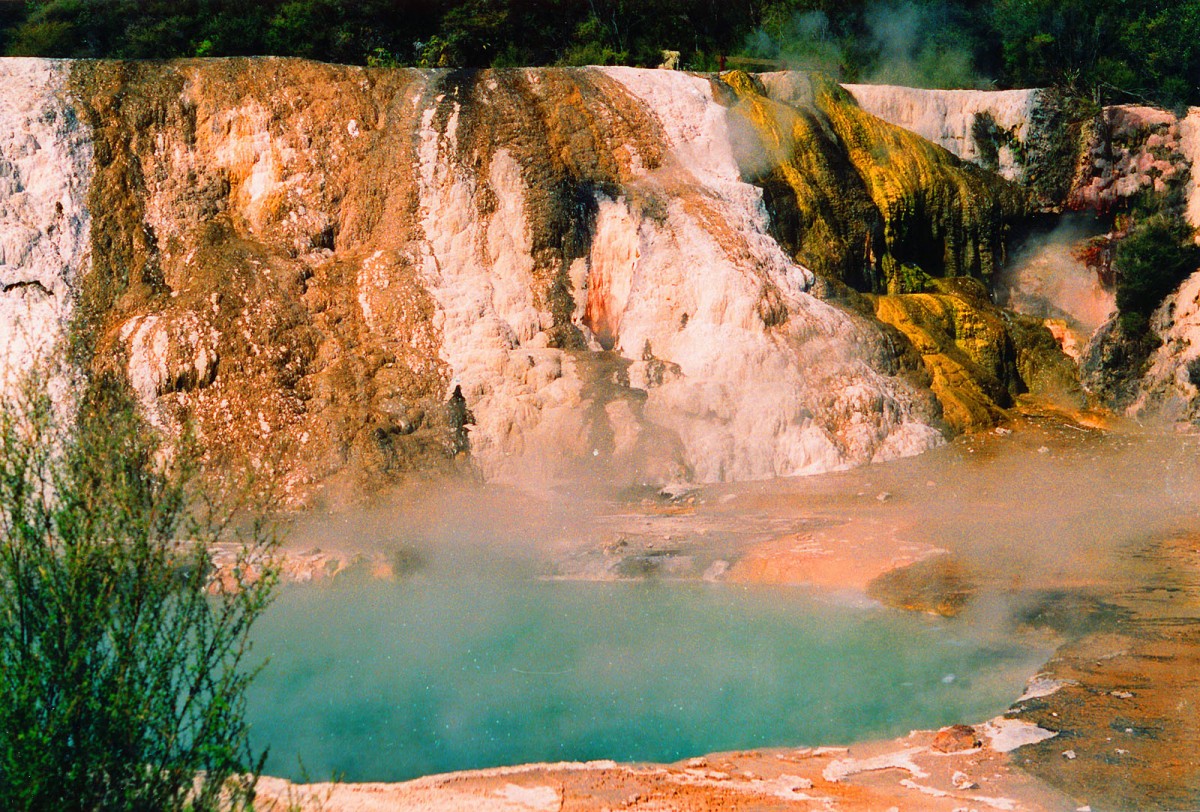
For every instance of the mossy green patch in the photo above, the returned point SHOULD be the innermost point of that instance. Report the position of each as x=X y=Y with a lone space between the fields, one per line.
x=945 y=216
x=822 y=211
x=965 y=349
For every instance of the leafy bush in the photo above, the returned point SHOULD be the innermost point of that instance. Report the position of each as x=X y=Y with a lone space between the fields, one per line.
x=122 y=684
x=1156 y=255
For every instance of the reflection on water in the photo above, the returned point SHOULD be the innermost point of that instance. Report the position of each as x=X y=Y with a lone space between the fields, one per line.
x=387 y=681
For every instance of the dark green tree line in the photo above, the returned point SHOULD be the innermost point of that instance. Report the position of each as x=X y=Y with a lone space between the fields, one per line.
x=1133 y=50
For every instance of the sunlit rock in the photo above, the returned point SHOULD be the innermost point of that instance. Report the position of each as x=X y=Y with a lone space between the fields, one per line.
x=526 y=275
x=933 y=211
x=45 y=171
x=1130 y=150
x=988 y=128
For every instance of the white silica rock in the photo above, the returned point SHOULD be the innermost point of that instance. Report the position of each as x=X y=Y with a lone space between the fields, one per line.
x=524 y=398
x=752 y=401
x=680 y=290
x=1189 y=145
x=45 y=172
x=165 y=354
x=700 y=354
x=947 y=117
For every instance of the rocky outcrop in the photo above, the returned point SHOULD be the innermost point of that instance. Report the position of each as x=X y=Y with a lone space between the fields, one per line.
x=1170 y=387
x=355 y=273
x=1129 y=151
x=1112 y=162
x=45 y=172
x=1030 y=136
x=987 y=128
x=913 y=207
x=978 y=357
x=1141 y=159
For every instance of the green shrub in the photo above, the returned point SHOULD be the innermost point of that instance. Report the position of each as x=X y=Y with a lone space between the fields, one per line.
x=122 y=679
x=1156 y=255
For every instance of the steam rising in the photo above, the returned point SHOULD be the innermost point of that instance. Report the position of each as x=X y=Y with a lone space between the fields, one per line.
x=916 y=48
x=1051 y=500
x=1047 y=279
x=470 y=663
x=1052 y=505
x=805 y=42
x=911 y=44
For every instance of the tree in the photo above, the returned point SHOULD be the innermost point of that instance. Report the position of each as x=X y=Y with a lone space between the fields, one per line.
x=122 y=678
x=1155 y=257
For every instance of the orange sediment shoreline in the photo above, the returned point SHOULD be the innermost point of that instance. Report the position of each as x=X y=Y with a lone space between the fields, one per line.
x=909 y=773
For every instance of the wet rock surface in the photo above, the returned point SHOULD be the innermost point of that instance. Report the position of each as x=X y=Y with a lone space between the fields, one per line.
x=1127 y=709
x=955 y=738
x=906 y=773
x=939 y=584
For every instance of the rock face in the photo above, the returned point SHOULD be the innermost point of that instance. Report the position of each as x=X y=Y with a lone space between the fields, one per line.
x=1111 y=160
x=903 y=208
x=988 y=128
x=1131 y=150
x=45 y=172
x=1134 y=154
x=637 y=276
x=304 y=261
x=1170 y=387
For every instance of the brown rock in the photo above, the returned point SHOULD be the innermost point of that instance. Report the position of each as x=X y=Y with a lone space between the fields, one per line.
x=940 y=584
x=956 y=738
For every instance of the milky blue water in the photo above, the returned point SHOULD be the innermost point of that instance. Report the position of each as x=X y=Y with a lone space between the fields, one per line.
x=388 y=681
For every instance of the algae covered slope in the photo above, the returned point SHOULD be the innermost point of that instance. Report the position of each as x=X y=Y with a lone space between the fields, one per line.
x=986 y=127
x=881 y=209
x=221 y=191
x=821 y=208
x=943 y=216
x=870 y=203
x=979 y=357
x=1031 y=136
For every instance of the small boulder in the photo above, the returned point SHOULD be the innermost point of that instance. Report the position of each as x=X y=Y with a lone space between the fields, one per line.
x=940 y=584
x=956 y=738
x=961 y=781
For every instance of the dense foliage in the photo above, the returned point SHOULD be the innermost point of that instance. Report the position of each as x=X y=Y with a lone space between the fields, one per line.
x=1151 y=261
x=121 y=678
x=1126 y=51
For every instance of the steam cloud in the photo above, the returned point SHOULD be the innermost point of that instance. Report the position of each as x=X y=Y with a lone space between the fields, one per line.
x=805 y=42
x=909 y=44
